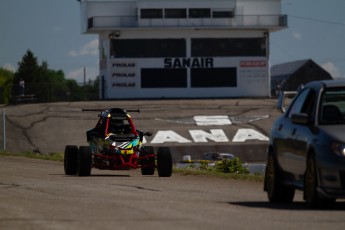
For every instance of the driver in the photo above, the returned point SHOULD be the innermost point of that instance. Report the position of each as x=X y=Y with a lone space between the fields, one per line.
x=116 y=126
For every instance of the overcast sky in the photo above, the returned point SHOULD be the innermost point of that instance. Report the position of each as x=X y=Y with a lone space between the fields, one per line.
x=51 y=30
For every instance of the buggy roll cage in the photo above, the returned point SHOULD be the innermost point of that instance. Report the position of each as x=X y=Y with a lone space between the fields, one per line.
x=111 y=111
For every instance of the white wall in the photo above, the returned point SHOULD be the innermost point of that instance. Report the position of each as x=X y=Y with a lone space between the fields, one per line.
x=251 y=80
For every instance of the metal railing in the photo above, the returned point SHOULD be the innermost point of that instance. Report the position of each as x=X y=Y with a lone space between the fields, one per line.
x=239 y=21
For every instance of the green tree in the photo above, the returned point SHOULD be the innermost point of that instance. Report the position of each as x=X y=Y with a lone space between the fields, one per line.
x=50 y=85
x=75 y=92
x=6 y=80
x=92 y=90
x=28 y=70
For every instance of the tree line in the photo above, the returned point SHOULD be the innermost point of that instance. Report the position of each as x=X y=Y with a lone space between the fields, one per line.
x=43 y=84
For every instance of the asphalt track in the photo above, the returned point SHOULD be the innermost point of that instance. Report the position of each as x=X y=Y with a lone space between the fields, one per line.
x=48 y=127
x=35 y=194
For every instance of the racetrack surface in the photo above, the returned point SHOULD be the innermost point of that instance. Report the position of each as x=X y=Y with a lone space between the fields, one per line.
x=35 y=194
x=48 y=127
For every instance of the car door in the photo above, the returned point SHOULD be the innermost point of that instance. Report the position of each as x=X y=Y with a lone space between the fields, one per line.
x=293 y=136
x=302 y=134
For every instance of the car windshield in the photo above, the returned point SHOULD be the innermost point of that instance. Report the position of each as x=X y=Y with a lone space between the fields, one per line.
x=226 y=156
x=332 y=107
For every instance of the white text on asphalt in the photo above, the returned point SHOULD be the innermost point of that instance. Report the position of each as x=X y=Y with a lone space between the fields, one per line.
x=201 y=136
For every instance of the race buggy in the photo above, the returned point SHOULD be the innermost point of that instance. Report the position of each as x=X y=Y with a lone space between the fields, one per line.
x=115 y=144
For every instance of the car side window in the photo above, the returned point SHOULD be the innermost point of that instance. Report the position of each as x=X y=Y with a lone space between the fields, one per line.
x=304 y=103
x=309 y=103
x=332 y=107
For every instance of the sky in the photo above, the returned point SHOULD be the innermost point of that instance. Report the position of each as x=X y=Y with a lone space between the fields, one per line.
x=51 y=30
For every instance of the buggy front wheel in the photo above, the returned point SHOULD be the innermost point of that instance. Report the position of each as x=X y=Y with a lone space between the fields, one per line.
x=84 y=161
x=70 y=159
x=164 y=162
x=147 y=163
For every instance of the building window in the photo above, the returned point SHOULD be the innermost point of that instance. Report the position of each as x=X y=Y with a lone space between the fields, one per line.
x=164 y=78
x=175 y=13
x=228 y=47
x=223 y=14
x=213 y=77
x=148 y=48
x=151 y=13
x=199 y=13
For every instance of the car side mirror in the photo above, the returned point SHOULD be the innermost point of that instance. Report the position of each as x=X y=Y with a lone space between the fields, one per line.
x=300 y=118
x=148 y=134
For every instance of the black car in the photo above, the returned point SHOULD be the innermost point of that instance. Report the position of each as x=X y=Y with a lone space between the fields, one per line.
x=216 y=156
x=307 y=146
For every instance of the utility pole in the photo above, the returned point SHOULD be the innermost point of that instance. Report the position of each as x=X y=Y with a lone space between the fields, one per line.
x=84 y=83
x=4 y=128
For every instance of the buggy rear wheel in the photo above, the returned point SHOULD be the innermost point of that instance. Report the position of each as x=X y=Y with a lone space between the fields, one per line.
x=70 y=159
x=84 y=161
x=147 y=164
x=164 y=162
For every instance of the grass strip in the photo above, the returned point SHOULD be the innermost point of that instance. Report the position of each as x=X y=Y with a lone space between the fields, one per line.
x=208 y=173
x=50 y=156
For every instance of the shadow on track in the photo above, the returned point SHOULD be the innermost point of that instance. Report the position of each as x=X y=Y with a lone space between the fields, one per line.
x=109 y=175
x=300 y=206
x=95 y=175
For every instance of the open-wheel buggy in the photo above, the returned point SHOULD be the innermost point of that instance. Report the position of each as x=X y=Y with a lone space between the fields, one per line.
x=115 y=144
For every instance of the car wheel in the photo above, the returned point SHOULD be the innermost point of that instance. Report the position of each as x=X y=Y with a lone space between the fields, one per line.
x=84 y=161
x=70 y=159
x=147 y=164
x=164 y=162
x=277 y=192
x=310 y=187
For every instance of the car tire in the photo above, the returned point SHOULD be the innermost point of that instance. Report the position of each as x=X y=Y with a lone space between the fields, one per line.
x=164 y=162
x=148 y=164
x=277 y=192
x=70 y=159
x=84 y=161
x=310 y=187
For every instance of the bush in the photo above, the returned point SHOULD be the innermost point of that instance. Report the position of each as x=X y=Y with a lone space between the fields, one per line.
x=231 y=166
